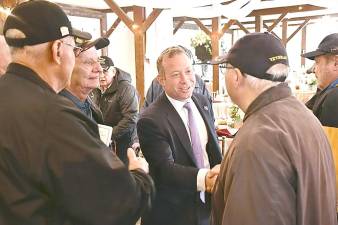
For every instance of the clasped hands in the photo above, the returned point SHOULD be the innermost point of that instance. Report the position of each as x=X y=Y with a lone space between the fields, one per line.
x=210 y=178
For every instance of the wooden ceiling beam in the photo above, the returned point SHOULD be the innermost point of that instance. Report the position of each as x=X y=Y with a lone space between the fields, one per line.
x=280 y=10
x=275 y=23
x=267 y=27
x=121 y=14
x=150 y=19
x=81 y=11
x=113 y=27
x=202 y=26
x=178 y=25
x=298 y=29
x=226 y=27
x=242 y=27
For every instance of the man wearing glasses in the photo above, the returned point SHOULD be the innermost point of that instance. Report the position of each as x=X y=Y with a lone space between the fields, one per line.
x=85 y=77
x=279 y=168
x=54 y=169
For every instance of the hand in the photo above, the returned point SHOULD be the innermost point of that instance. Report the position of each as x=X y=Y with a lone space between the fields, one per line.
x=211 y=177
x=136 y=162
x=135 y=145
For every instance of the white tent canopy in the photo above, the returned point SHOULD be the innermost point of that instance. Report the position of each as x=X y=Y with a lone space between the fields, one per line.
x=237 y=9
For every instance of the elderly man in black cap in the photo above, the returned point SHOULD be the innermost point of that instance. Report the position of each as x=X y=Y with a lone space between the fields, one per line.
x=324 y=104
x=54 y=169
x=279 y=168
x=118 y=101
x=85 y=76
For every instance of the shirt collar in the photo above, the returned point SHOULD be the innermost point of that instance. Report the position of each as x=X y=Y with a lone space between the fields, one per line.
x=28 y=74
x=83 y=106
x=178 y=105
x=267 y=97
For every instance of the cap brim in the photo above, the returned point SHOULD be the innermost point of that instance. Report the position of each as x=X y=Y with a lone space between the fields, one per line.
x=313 y=54
x=98 y=43
x=81 y=34
x=219 y=60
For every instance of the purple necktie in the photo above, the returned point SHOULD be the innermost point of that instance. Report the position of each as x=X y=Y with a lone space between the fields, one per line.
x=195 y=137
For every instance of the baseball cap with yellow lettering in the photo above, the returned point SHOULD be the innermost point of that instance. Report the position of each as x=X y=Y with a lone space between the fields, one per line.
x=255 y=53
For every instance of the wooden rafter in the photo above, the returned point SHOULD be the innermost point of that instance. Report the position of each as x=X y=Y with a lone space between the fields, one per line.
x=113 y=27
x=178 y=25
x=267 y=27
x=298 y=29
x=121 y=14
x=275 y=23
x=226 y=27
x=150 y=19
x=242 y=27
x=202 y=26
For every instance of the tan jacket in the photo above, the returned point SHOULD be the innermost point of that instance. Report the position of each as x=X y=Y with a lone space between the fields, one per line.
x=279 y=169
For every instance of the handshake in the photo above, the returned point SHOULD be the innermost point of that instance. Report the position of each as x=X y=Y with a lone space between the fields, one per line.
x=211 y=177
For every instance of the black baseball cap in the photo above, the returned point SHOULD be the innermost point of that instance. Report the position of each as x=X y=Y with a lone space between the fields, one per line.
x=106 y=62
x=98 y=43
x=329 y=45
x=40 y=21
x=255 y=53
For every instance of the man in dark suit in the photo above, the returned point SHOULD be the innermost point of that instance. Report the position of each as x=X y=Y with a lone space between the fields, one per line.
x=182 y=173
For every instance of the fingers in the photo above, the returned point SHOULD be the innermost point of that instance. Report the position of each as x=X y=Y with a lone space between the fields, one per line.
x=131 y=154
x=136 y=162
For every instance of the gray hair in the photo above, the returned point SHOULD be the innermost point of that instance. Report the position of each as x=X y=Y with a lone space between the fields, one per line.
x=276 y=71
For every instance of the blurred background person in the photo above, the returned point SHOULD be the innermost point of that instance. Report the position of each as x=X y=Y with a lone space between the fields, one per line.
x=118 y=100
x=5 y=55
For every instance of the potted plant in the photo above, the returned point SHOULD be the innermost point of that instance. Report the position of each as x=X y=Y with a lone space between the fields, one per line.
x=202 y=44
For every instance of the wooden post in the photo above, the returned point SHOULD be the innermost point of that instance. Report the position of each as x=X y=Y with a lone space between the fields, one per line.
x=139 y=40
x=258 y=24
x=284 y=32
x=303 y=44
x=215 y=51
x=103 y=28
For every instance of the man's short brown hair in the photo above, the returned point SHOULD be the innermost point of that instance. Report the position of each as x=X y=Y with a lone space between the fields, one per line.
x=169 y=52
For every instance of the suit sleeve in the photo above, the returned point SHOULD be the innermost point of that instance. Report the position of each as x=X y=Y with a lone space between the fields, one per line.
x=156 y=149
x=88 y=181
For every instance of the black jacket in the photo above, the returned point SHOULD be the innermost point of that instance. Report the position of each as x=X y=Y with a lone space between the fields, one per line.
x=324 y=104
x=53 y=167
x=166 y=146
x=119 y=106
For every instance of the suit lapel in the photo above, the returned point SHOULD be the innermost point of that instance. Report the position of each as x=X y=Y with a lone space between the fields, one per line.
x=204 y=113
x=178 y=126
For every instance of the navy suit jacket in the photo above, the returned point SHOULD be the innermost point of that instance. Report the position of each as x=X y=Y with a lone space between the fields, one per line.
x=166 y=146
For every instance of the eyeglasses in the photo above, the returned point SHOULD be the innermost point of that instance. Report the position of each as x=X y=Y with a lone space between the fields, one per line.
x=77 y=50
x=224 y=67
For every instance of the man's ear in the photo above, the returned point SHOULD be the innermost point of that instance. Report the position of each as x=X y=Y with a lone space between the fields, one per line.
x=335 y=58
x=160 y=78
x=56 y=52
x=237 y=77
